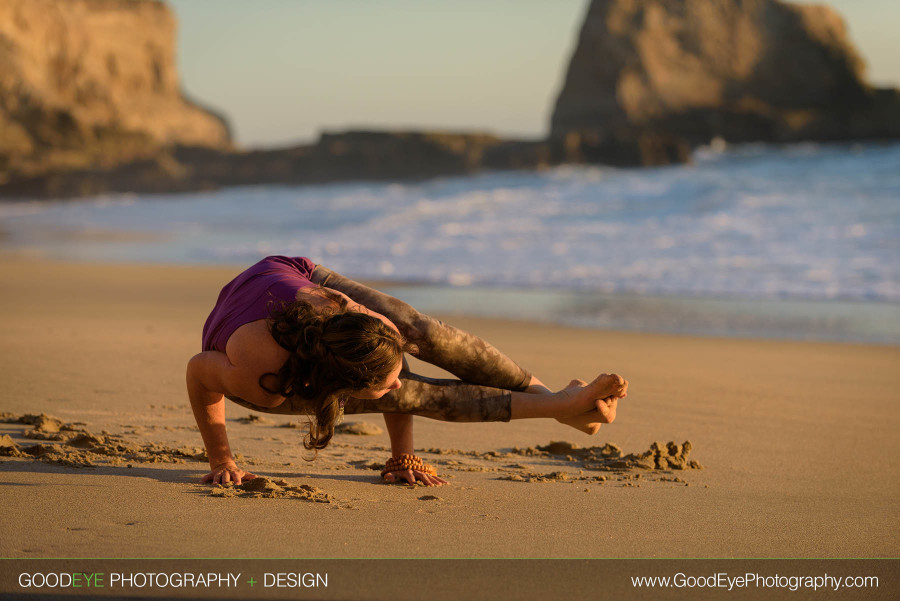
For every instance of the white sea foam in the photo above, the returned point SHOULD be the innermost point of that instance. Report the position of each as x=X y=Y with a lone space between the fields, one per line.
x=810 y=221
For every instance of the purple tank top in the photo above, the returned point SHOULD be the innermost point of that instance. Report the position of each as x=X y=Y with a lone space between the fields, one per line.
x=250 y=296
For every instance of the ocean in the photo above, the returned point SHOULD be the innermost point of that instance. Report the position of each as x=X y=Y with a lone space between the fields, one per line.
x=797 y=242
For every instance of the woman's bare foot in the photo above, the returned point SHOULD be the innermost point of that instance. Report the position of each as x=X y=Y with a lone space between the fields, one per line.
x=596 y=409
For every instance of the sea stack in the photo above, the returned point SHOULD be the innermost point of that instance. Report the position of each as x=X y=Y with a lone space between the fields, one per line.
x=87 y=83
x=651 y=78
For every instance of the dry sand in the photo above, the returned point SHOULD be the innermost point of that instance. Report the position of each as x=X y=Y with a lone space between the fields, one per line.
x=797 y=443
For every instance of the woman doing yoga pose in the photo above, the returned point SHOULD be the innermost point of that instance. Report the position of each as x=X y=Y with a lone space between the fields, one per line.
x=291 y=337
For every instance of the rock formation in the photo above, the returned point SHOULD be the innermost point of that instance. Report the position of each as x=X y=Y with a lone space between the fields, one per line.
x=90 y=101
x=92 y=83
x=662 y=74
x=351 y=155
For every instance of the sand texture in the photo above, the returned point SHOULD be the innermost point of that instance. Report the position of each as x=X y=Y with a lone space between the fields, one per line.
x=723 y=448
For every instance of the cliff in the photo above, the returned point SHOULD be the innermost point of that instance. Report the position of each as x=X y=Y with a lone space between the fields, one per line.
x=92 y=83
x=686 y=71
x=90 y=103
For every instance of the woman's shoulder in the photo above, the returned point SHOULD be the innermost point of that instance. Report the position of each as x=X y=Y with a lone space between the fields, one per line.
x=253 y=352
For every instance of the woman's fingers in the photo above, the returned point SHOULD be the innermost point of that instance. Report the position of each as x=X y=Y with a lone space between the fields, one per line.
x=411 y=476
x=406 y=475
x=224 y=476
x=424 y=478
x=435 y=481
x=430 y=480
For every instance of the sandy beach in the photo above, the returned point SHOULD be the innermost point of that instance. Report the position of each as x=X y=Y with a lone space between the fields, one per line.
x=797 y=443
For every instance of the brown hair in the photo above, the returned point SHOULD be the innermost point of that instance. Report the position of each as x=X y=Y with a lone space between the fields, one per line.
x=333 y=353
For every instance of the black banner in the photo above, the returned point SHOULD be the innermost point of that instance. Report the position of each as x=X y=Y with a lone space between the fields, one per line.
x=451 y=579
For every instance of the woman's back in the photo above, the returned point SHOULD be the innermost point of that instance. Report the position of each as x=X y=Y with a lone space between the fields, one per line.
x=253 y=294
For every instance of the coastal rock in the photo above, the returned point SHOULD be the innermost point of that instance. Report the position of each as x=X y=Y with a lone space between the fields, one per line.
x=90 y=102
x=336 y=156
x=651 y=78
x=92 y=83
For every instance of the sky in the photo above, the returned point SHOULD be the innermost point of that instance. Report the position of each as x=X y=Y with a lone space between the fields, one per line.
x=282 y=71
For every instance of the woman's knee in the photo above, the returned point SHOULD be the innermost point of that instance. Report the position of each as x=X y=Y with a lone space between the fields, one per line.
x=426 y=332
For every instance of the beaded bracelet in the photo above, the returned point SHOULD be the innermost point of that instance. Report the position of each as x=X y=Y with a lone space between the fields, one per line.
x=407 y=461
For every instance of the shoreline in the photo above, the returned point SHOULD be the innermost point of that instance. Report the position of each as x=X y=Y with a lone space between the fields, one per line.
x=841 y=321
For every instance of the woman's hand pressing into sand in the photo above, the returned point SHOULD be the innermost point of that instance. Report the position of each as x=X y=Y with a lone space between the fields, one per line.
x=227 y=472
x=410 y=476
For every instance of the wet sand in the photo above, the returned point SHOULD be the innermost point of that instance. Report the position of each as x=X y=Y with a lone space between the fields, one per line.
x=794 y=444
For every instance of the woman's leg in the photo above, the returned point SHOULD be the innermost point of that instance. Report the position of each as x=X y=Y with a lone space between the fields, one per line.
x=583 y=407
x=442 y=399
x=453 y=400
x=467 y=357
x=446 y=400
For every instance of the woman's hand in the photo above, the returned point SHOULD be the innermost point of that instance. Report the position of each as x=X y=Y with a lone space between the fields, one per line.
x=225 y=472
x=411 y=476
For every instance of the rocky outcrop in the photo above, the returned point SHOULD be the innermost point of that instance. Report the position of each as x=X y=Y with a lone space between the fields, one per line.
x=339 y=156
x=92 y=84
x=665 y=74
x=90 y=101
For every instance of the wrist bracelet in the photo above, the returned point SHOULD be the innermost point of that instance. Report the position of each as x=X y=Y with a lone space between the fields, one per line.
x=407 y=461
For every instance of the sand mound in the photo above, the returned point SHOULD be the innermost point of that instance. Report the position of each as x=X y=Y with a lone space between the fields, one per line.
x=41 y=422
x=254 y=419
x=264 y=488
x=668 y=456
x=608 y=458
x=52 y=436
x=80 y=448
x=551 y=477
x=8 y=447
x=367 y=464
x=358 y=428
x=607 y=451
x=64 y=444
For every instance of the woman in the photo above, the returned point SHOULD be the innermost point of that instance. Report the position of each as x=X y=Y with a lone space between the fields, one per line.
x=288 y=336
